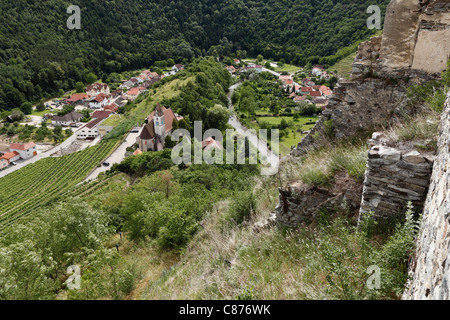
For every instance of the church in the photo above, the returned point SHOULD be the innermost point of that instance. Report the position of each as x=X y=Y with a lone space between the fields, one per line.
x=159 y=126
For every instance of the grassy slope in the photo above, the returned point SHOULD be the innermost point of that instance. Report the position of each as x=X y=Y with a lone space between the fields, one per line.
x=167 y=91
x=344 y=67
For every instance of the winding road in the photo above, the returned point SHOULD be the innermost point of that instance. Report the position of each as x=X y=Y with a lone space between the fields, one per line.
x=268 y=158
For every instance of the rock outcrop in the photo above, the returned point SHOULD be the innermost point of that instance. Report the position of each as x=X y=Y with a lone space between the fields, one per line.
x=431 y=271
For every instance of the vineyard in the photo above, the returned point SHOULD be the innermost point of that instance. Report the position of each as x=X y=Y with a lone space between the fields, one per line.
x=41 y=183
x=100 y=186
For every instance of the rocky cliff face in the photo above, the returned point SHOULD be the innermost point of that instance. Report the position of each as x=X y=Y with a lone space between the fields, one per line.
x=431 y=272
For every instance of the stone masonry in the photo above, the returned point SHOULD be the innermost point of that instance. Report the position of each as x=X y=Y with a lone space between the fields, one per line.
x=431 y=270
x=393 y=178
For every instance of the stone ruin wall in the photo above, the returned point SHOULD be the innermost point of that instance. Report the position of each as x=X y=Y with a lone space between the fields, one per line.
x=431 y=269
x=394 y=177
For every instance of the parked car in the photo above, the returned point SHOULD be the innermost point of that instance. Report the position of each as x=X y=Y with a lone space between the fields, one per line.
x=106 y=164
x=13 y=163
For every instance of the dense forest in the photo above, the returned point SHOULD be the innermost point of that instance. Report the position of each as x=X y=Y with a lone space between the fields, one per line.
x=40 y=56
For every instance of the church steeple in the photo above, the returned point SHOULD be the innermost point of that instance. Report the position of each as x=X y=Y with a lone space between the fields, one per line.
x=160 y=123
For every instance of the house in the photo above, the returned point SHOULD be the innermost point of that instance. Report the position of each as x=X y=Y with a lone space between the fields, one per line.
x=178 y=67
x=97 y=88
x=285 y=78
x=315 y=94
x=78 y=98
x=7 y=158
x=99 y=101
x=320 y=102
x=306 y=90
x=127 y=84
x=136 y=80
x=170 y=73
x=26 y=151
x=237 y=61
x=113 y=108
x=231 y=69
x=100 y=114
x=67 y=119
x=159 y=126
x=121 y=101
x=3 y=163
x=317 y=70
x=258 y=68
x=298 y=99
x=325 y=91
x=210 y=143
x=133 y=93
x=289 y=82
x=90 y=130
x=116 y=93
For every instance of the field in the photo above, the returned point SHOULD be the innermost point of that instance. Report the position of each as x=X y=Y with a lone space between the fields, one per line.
x=43 y=182
x=113 y=120
x=294 y=136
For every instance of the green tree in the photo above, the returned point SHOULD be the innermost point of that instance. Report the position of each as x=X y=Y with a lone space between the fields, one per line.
x=26 y=107
x=40 y=106
x=91 y=78
x=79 y=86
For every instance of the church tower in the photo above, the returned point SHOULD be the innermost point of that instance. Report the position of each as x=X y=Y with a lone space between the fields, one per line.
x=160 y=125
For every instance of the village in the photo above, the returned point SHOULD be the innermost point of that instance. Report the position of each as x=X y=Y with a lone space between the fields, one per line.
x=99 y=102
x=102 y=104
x=306 y=91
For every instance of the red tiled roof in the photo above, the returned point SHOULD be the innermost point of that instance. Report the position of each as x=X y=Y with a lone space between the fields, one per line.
x=138 y=151
x=8 y=156
x=210 y=143
x=78 y=96
x=325 y=90
x=25 y=146
x=133 y=91
x=100 y=114
x=315 y=94
x=93 y=123
x=307 y=89
x=284 y=77
x=289 y=81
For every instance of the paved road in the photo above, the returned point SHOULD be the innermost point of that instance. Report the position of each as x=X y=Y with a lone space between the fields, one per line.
x=270 y=159
x=116 y=157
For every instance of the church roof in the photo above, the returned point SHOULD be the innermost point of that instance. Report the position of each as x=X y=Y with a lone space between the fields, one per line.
x=148 y=132
x=169 y=116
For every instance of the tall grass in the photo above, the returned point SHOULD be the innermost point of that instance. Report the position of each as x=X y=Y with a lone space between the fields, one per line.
x=321 y=166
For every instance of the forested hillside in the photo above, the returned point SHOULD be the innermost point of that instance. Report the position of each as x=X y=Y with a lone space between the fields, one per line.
x=39 y=56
